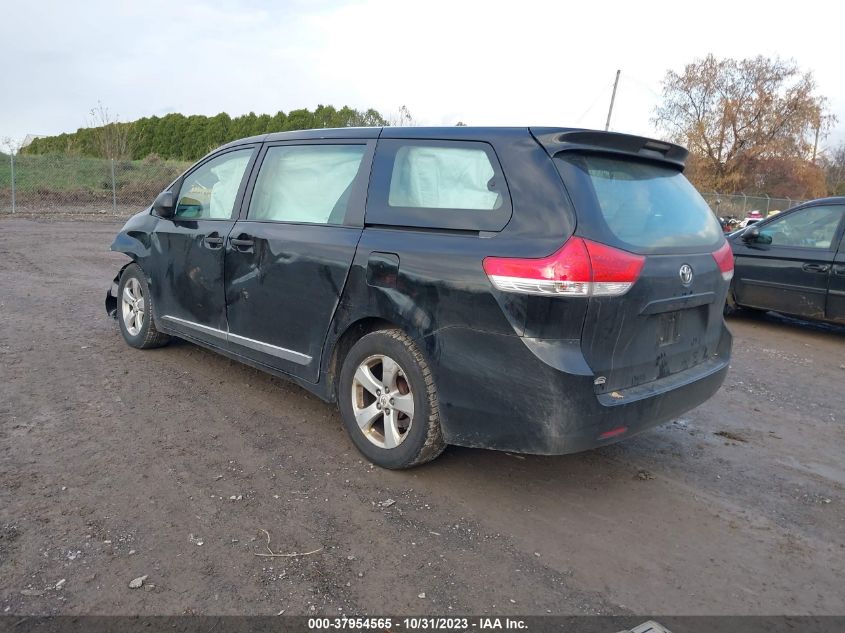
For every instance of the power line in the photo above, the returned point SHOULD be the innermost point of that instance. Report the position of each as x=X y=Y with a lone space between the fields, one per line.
x=593 y=104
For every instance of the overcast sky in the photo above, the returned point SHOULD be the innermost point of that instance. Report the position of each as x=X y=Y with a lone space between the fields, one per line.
x=485 y=63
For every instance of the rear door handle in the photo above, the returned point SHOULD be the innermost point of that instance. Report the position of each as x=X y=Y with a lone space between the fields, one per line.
x=839 y=270
x=816 y=268
x=213 y=240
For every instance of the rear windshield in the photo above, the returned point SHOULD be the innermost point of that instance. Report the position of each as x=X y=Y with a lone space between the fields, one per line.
x=643 y=205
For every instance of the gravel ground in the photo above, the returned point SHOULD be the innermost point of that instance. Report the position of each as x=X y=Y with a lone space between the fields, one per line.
x=176 y=464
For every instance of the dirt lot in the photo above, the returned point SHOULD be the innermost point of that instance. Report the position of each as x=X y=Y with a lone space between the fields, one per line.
x=117 y=463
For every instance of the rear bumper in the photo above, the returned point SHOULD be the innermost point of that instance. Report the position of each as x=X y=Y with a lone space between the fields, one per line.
x=508 y=393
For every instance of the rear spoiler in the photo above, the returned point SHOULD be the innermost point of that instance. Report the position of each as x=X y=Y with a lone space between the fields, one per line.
x=555 y=140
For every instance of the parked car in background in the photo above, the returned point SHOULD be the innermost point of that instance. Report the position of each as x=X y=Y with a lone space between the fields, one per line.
x=752 y=218
x=793 y=263
x=729 y=225
x=542 y=290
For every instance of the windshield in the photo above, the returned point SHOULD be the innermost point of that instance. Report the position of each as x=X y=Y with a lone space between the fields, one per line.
x=642 y=204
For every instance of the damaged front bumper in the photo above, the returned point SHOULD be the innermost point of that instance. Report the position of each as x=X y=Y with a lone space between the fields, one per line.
x=111 y=295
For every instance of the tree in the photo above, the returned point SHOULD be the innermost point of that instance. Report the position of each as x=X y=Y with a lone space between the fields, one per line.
x=370 y=118
x=218 y=129
x=402 y=118
x=301 y=119
x=111 y=137
x=175 y=136
x=11 y=145
x=279 y=122
x=834 y=171
x=737 y=116
x=785 y=177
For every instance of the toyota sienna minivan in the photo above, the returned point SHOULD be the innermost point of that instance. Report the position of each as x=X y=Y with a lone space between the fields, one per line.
x=538 y=290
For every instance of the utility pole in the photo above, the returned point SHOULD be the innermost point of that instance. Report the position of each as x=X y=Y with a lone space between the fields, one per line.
x=12 y=158
x=113 y=189
x=612 y=99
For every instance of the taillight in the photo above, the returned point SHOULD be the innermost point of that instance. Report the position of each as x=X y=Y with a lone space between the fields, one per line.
x=580 y=268
x=725 y=261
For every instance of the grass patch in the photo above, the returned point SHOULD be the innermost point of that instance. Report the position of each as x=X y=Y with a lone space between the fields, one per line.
x=77 y=179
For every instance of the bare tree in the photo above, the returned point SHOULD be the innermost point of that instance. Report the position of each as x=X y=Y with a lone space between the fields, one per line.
x=737 y=115
x=111 y=137
x=402 y=118
x=10 y=145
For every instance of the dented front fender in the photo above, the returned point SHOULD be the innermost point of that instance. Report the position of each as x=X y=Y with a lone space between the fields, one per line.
x=132 y=240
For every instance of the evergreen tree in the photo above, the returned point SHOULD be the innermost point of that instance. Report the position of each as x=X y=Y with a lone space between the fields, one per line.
x=175 y=136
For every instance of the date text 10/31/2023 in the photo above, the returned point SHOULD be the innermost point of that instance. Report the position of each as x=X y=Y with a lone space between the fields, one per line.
x=417 y=623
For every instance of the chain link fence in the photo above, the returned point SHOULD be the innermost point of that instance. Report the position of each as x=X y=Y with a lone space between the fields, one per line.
x=739 y=206
x=79 y=185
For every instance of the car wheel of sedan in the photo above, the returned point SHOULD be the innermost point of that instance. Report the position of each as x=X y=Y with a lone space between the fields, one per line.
x=135 y=310
x=732 y=307
x=388 y=401
x=730 y=304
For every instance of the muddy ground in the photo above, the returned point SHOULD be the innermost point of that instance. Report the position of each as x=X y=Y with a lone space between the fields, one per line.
x=117 y=463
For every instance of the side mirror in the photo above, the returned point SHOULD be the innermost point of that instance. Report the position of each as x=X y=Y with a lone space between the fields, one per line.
x=751 y=234
x=165 y=204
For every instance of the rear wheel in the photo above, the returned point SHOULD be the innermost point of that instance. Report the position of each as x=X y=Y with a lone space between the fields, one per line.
x=730 y=304
x=388 y=401
x=732 y=307
x=135 y=310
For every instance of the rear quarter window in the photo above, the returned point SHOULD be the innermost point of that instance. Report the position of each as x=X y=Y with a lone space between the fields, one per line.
x=438 y=184
x=637 y=205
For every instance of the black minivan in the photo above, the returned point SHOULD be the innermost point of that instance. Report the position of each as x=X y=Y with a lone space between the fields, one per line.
x=539 y=290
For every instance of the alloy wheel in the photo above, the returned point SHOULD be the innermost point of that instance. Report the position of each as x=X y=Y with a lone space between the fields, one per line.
x=132 y=306
x=382 y=401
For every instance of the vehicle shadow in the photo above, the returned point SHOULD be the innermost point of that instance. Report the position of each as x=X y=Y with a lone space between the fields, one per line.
x=595 y=468
x=598 y=469
x=795 y=323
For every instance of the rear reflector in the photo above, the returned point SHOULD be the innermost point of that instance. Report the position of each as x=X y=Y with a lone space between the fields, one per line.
x=725 y=261
x=619 y=430
x=580 y=268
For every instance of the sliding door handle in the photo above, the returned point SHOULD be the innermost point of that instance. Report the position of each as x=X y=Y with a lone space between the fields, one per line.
x=242 y=242
x=817 y=268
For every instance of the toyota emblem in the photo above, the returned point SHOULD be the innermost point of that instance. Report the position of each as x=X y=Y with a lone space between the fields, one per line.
x=686 y=274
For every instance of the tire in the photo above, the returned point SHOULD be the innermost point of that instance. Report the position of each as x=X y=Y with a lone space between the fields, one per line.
x=388 y=436
x=135 y=310
x=731 y=308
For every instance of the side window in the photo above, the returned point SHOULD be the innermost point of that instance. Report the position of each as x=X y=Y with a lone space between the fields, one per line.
x=209 y=192
x=305 y=183
x=438 y=184
x=808 y=228
x=443 y=178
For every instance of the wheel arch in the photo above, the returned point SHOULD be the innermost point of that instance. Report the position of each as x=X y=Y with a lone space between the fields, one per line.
x=111 y=296
x=344 y=342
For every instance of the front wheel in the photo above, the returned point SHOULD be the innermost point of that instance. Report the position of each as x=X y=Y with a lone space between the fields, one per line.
x=388 y=401
x=135 y=310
